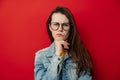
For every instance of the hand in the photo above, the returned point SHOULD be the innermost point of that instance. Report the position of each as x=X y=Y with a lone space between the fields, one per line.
x=60 y=45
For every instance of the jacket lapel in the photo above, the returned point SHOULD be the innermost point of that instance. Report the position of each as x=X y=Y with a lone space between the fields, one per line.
x=50 y=52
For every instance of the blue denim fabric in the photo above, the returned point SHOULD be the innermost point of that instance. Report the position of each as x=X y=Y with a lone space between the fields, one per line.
x=49 y=66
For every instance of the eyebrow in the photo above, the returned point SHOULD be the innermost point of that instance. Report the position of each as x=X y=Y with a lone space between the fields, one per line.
x=62 y=23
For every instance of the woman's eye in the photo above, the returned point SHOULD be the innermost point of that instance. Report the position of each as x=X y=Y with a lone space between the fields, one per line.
x=56 y=24
x=65 y=25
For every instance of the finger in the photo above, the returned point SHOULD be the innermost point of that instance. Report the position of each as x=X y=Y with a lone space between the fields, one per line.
x=65 y=42
x=66 y=45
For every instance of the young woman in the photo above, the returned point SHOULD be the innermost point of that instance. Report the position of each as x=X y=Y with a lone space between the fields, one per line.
x=66 y=58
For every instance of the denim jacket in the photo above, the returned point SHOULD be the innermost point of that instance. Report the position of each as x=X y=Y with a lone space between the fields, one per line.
x=49 y=66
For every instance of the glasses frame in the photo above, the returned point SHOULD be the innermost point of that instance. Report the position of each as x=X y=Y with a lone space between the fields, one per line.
x=58 y=26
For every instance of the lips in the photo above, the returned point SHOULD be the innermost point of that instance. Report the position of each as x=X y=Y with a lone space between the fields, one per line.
x=59 y=35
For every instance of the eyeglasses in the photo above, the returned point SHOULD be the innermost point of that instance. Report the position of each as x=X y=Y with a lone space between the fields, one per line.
x=55 y=26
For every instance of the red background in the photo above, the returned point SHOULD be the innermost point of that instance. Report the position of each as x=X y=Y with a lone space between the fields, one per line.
x=23 y=32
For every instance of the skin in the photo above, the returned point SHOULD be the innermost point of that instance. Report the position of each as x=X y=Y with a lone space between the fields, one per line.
x=60 y=36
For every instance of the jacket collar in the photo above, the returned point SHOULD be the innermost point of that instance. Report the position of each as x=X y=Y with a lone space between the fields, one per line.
x=51 y=50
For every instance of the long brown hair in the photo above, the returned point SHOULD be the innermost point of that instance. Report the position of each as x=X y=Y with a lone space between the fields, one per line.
x=77 y=50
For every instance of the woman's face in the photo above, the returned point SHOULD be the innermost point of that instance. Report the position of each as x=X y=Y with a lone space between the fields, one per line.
x=59 y=26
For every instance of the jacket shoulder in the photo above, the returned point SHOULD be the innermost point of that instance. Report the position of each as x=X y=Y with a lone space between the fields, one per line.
x=40 y=55
x=42 y=51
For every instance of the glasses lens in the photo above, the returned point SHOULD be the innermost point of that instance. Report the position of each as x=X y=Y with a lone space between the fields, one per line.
x=54 y=26
x=66 y=26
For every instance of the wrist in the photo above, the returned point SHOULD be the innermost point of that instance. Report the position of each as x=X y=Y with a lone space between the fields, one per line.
x=58 y=53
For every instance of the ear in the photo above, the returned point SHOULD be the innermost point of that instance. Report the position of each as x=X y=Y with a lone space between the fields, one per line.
x=50 y=28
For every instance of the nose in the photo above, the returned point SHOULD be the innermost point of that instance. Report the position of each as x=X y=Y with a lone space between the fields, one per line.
x=60 y=28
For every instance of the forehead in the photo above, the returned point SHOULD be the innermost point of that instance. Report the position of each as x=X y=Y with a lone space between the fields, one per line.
x=58 y=17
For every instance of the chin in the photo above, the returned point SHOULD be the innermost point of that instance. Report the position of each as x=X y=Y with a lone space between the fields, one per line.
x=59 y=38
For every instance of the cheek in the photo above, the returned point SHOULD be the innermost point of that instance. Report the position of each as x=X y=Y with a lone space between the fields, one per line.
x=66 y=34
x=53 y=34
